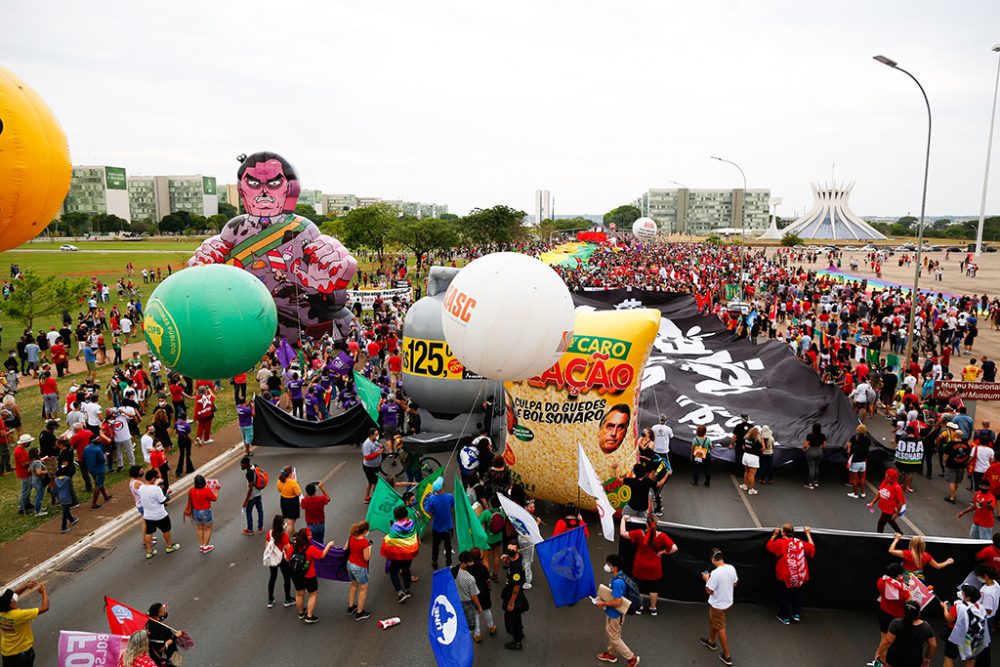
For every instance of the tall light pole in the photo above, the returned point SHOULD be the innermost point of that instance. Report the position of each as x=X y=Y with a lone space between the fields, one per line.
x=915 y=293
x=743 y=209
x=989 y=149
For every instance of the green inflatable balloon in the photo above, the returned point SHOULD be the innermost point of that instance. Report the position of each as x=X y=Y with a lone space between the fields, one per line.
x=210 y=322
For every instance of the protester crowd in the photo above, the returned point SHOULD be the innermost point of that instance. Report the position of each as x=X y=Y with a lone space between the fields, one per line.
x=852 y=334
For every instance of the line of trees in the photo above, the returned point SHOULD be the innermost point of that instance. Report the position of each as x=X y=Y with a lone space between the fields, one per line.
x=942 y=228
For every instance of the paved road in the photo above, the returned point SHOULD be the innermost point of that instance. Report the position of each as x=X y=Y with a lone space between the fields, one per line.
x=220 y=597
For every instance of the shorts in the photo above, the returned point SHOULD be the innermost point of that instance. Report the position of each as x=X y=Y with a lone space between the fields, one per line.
x=203 y=517
x=884 y=619
x=954 y=475
x=307 y=584
x=247 y=432
x=627 y=510
x=951 y=650
x=290 y=508
x=98 y=478
x=358 y=575
x=751 y=460
x=163 y=525
x=371 y=474
x=909 y=467
x=860 y=406
x=647 y=586
x=716 y=618
x=860 y=466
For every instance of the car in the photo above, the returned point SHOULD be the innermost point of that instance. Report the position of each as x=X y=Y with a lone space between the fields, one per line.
x=66 y=247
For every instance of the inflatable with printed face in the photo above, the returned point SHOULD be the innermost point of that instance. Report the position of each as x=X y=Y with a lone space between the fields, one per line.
x=306 y=272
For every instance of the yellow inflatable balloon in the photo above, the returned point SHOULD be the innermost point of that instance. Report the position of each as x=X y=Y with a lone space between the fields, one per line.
x=34 y=163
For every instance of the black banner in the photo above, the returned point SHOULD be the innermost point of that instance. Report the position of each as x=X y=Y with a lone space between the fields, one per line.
x=700 y=373
x=841 y=576
x=273 y=427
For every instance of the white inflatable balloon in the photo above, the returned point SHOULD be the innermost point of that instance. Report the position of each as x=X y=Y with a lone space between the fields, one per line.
x=644 y=228
x=508 y=316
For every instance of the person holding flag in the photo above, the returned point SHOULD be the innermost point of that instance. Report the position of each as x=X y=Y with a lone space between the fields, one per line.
x=439 y=506
x=371 y=452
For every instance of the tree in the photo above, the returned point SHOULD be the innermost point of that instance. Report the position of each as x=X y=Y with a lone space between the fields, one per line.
x=334 y=228
x=228 y=210
x=623 y=216
x=108 y=222
x=216 y=222
x=449 y=216
x=500 y=224
x=370 y=227
x=791 y=239
x=143 y=227
x=424 y=235
x=175 y=222
x=74 y=223
x=545 y=229
x=35 y=296
x=306 y=211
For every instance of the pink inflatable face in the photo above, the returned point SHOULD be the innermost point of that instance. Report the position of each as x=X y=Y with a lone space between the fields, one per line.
x=264 y=189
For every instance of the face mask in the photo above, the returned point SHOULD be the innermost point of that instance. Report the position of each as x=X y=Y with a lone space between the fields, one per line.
x=607 y=568
x=163 y=617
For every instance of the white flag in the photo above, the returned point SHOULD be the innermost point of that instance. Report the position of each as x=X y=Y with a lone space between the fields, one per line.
x=523 y=521
x=590 y=485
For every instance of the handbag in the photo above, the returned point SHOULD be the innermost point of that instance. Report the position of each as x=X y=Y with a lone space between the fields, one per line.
x=272 y=554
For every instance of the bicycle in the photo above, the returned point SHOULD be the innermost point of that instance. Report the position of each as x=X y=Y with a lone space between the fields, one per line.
x=392 y=467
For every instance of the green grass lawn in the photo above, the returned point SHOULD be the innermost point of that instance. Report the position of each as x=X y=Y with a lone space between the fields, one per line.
x=185 y=243
x=29 y=400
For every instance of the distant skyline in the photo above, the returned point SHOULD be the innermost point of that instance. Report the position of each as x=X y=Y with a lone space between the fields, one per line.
x=476 y=104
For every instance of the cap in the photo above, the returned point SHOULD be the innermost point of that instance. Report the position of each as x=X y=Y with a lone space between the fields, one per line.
x=744 y=416
x=438 y=484
x=6 y=598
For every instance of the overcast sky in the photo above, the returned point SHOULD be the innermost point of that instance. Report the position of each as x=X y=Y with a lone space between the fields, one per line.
x=476 y=103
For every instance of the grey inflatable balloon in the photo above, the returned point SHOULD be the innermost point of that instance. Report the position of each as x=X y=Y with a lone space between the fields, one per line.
x=423 y=358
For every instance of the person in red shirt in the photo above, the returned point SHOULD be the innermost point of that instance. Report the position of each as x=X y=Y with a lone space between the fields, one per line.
x=204 y=413
x=50 y=397
x=990 y=555
x=792 y=569
x=984 y=509
x=78 y=441
x=647 y=567
x=360 y=552
x=177 y=396
x=240 y=388
x=992 y=477
x=373 y=349
x=892 y=595
x=891 y=500
x=312 y=507
x=301 y=548
x=60 y=357
x=916 y=557
x=571 y=519
x=282 y=541
x=21 y=461
x=201 y=498
x=394 y=363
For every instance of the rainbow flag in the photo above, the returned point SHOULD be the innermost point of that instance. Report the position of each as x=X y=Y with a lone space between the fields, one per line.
x=401 y=543
x=875 y=283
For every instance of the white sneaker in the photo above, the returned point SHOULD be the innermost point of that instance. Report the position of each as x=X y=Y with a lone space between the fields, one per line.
x=752 y=492
x=853 y=495
x=527 y=587
x=743 y=486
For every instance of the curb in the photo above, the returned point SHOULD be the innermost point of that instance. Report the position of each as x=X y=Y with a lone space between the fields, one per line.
x=123 y=521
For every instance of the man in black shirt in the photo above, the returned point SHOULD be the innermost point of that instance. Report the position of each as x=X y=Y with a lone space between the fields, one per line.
x=641 y=487
x=989 y=368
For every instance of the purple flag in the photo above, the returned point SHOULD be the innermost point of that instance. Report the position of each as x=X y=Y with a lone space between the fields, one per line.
x=285 y=354
x=342 y=364
x=334 y=566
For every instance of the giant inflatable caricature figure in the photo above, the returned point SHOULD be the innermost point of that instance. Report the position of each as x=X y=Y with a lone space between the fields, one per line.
x=306 y=272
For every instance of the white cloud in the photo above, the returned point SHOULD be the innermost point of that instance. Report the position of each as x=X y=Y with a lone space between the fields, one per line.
x=481 y=103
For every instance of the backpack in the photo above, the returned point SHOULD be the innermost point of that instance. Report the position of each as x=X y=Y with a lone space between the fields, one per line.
x=632 y=593
x=298 y=564
x=959 y=454
x=497 y=522
x=260 y=478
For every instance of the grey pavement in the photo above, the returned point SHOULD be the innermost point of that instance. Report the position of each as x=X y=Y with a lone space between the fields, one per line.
x=220 y=597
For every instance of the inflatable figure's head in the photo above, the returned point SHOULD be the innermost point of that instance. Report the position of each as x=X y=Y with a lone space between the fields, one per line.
x=268 y=184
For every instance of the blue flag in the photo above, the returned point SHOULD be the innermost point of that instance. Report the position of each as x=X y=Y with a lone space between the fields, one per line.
x=565 y=561
x=446 y=625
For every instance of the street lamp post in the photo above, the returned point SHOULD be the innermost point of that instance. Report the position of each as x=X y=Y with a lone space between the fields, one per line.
x=989 y=149
x=915 y=293
x=743 y=209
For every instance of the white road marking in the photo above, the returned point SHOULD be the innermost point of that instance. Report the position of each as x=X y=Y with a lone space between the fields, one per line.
x=333 y=472
x=746 y=503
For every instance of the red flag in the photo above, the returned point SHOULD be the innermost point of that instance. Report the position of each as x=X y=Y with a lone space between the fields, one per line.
x=122 y=619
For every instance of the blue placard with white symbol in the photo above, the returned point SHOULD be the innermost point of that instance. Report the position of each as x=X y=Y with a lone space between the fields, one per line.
x=446 y=626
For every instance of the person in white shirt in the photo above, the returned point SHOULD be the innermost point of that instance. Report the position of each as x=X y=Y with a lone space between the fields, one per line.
x=152 y=498
x=661 y=437
x=126 y=325
x=52 y=336
x=92 y=413
x=146 y=443
x=719 y=586
x=123 y=441
x=982 y=457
